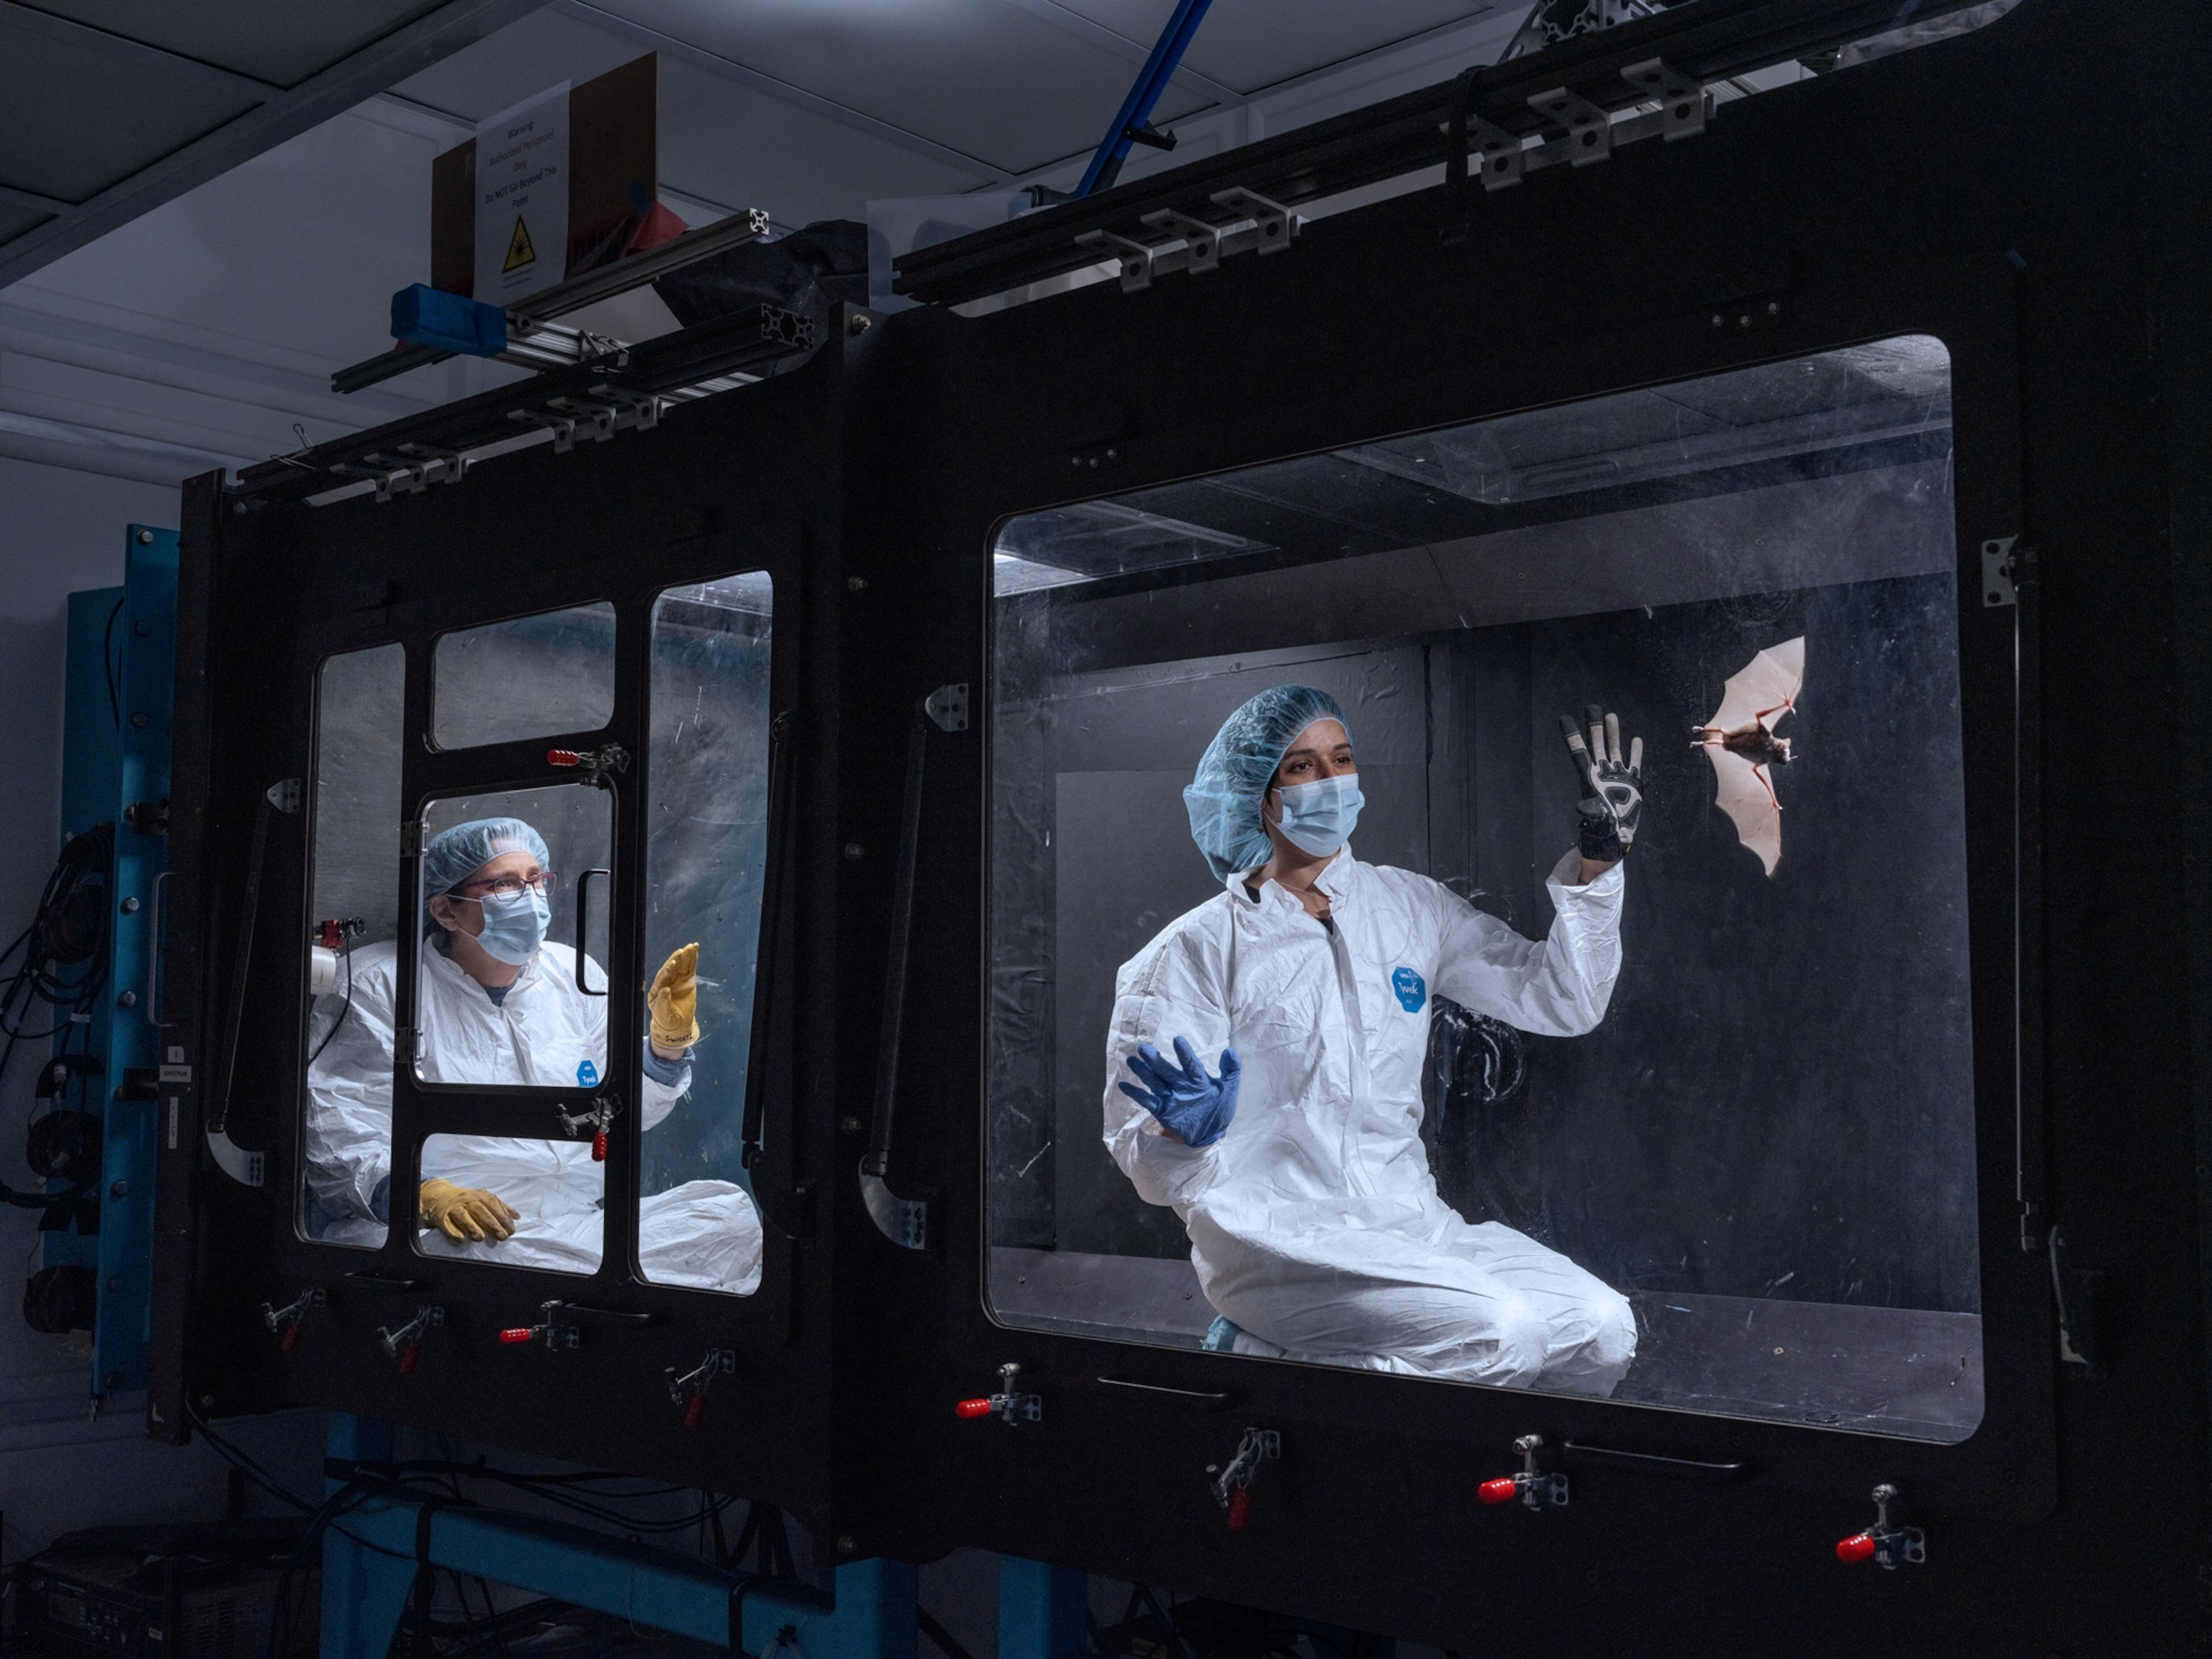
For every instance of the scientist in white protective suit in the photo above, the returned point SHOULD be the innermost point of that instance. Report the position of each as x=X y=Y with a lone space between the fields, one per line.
x=498 y=1003
x=1315 y=1221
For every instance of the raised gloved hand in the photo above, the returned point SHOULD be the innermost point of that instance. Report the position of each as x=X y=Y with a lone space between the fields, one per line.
x=1612 y=792
x=674 y=999
x=469 y=1215
x=1195 y=1108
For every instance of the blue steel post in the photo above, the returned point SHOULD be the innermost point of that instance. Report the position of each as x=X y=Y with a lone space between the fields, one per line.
x=1043 y=1611
x=1137 y=108
x=145 y=673
x=368 y=1567
x=91 y=764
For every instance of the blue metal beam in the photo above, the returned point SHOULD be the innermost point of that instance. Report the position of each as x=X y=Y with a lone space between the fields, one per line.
x=1137 y=108
x=870 y=1616
x=1042 y=1610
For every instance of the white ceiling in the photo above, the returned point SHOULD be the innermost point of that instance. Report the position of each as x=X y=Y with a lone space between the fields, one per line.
x=810 y=108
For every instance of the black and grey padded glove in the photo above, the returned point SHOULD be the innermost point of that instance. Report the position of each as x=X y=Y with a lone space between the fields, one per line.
x=1612 y=790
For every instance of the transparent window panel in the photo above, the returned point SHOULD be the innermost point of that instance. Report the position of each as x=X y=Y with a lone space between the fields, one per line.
x=532 y=676
x=512 y=984
x=1698 y=1133
x=547 y=1193
x=707 y=849
x=355 y=886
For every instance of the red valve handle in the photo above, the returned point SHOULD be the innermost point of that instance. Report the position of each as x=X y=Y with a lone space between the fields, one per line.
x=1240 y=1508
x=1859 y=1546
x=972 y=1409
x=514 y=1334
x=563 y=757
x=291 y=1336
x=694 y=1411
x=1504 y=1490
x=407 y=1360
x=599 y=1147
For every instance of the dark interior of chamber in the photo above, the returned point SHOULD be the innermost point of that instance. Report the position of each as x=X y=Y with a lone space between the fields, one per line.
x=1775 y=1121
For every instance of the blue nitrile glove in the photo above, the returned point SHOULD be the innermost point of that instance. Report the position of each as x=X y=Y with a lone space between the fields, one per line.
x=1197 y=1109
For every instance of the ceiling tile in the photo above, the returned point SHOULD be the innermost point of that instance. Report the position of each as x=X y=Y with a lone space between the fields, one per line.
x=15 y=221
x=80 y=120
x=1252 y=44
x=521 y=60
x=280 y=42
x=982 y=77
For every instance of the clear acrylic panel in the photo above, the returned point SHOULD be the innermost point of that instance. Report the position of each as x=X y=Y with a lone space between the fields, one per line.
x=511 y=988
x=529 y=677
x=706 y=856
x=547 y=1193
x=1698 y=1133
x=355 y=904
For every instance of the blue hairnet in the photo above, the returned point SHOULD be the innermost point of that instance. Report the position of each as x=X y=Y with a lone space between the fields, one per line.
x=455 y=854
x=1238 y=765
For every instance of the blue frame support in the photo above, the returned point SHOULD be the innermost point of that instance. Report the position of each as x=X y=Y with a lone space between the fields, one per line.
x=1137 y=108
x=368 y=1572
x=1043 y=1611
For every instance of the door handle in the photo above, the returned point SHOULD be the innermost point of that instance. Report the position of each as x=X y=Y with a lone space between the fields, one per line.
x=583 y=912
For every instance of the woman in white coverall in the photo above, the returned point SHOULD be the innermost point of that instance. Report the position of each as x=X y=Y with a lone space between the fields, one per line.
x=498 y=1003
x=1315 y=1221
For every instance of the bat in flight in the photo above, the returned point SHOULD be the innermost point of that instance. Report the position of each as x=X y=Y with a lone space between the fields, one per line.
x=1740 y=741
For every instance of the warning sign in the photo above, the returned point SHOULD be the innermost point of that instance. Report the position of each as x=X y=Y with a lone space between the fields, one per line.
x=518 y=251
x=522 y=199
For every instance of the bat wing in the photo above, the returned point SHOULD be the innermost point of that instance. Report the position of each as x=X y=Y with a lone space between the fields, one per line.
x=1744 y=794
x=1767 y=681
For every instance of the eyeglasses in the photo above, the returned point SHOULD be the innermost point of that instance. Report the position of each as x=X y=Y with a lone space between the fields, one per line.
x=505 y=887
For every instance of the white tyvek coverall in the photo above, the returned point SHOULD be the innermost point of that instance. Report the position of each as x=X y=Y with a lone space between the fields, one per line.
x=1315 y=1221
x=705 y=1234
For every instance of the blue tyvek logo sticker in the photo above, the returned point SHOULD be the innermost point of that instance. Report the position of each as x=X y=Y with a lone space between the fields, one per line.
x=1411 y=989
x=588 y=1074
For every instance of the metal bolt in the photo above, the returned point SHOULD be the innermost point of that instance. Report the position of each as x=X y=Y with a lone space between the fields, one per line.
x=130 y=906
x=207 y=1403
x=1774 y=307
x=115 y=1281
x=120 y=1189
x=849 y=1125
x=142 y=628
x=112 y=1381
x=854 y=852
x=860 y=324
x=856 y=584
x=238 y=509
x=138 y=719
x=128 y=999
x=846 y=1544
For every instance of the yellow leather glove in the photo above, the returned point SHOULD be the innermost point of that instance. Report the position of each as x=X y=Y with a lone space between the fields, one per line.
x=469 y=1215
x=674 y=999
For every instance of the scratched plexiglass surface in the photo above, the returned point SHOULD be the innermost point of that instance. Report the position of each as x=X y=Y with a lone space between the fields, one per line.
x=359 y=700
x=1747 y=1187
x=529 y=677
x=706 y=855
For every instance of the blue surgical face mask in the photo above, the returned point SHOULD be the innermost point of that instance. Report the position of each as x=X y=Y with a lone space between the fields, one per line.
x=1318 y=816
x=514 y=927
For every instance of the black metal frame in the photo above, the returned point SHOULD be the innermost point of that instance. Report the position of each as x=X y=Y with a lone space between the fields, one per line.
x=1764 y=239
x=2031 y=193
x=729 y=483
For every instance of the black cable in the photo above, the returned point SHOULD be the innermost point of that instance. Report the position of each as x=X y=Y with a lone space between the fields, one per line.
x=345 y=948
x=926 y=1623
x=108 y=665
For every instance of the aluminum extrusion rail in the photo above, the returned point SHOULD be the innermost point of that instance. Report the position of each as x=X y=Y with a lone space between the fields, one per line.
x=526 y=316
x=1705 y=41
x=624 y=390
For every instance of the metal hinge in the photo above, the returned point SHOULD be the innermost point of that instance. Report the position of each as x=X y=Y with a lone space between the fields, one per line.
x=2003 y=576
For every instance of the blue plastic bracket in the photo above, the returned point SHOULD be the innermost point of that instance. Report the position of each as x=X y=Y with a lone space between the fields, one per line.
x=369 y=1558
x=1137 y=108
